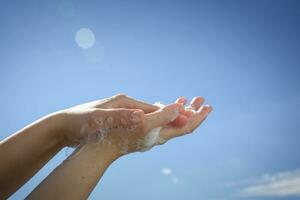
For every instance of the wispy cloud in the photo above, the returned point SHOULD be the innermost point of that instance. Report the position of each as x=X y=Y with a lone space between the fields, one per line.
x=276 y=185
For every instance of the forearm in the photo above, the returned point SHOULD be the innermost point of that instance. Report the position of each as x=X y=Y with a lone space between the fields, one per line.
x=76 y=177
x=25 y=152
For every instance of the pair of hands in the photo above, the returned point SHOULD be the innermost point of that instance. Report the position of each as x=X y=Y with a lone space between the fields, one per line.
x=123 y=123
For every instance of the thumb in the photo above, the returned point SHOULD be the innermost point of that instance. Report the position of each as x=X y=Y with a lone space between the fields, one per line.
x=163 y=116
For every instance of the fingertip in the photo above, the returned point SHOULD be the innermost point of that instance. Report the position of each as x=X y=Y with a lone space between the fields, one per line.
x=181 y=100
x=207 y=108
x=197 y=102
x=204 y=111
x=210 y=108
x=198 y=98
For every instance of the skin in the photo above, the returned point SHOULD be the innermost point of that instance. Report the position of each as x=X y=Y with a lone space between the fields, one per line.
x=26 y=151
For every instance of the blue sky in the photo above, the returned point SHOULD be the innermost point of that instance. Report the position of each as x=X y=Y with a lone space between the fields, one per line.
x=242 y=56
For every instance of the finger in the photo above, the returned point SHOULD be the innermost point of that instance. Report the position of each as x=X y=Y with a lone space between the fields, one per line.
x=163 y=116
x=181 y=100
x=195 y=120
x=181 y=120
x=197 y=102
x=136 y=104
x=118 y=117
x=123 y=101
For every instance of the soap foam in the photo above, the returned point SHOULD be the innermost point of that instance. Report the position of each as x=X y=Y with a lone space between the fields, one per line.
x=99 y=121
x=151 y=139
x=158 y=104
x=109 y=120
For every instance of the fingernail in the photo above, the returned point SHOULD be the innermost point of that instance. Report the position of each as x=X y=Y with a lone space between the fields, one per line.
x=198 y=97
x=182 y=100
x=194 y=99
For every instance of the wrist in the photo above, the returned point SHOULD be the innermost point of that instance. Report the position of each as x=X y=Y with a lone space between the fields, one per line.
x=107 y=154
x=56 y=123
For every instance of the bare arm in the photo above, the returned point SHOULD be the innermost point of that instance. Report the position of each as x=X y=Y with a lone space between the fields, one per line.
x=25 y=152
x=76 y=177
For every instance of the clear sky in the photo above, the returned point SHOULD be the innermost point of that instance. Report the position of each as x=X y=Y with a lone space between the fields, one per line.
x=242 y=56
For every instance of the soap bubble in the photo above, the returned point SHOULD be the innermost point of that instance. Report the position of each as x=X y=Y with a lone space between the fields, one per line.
x=174 y=179
x=85 y=38
x=166 y=171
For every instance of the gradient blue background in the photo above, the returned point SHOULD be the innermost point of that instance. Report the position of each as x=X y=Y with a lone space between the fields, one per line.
x=242 y=56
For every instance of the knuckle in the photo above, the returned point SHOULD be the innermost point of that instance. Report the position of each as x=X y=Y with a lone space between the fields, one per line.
x=120 y=96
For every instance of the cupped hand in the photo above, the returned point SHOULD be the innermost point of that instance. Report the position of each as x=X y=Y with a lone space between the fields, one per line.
x=78 y=117
x=128 y=125
x=193 y=115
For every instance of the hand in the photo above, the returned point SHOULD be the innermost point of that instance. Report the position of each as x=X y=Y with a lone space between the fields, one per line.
x=193 y=116
x=129 y=130
x=121 y=128
x=72 y=132
x=105 y=132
